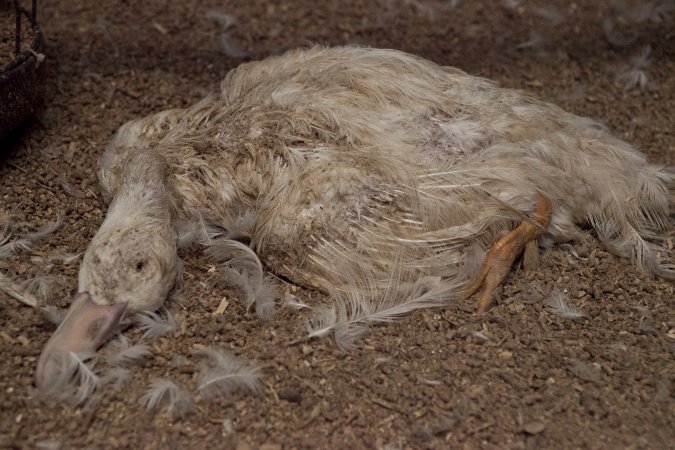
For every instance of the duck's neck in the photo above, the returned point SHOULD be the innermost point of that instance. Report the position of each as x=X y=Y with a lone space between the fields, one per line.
x=143 y=193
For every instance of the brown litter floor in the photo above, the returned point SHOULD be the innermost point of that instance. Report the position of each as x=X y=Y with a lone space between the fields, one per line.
x=530 y=380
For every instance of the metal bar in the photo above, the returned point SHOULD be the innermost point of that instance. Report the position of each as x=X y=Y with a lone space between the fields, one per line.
x=33 y=12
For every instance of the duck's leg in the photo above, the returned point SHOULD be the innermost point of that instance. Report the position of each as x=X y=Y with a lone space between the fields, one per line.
x=504 y=252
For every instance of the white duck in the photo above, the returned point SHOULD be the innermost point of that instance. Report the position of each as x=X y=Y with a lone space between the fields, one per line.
x=363 y=171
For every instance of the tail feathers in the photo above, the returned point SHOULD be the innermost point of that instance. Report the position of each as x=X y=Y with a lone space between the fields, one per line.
x=639 y=226
x=655 y=197
x=663 y=262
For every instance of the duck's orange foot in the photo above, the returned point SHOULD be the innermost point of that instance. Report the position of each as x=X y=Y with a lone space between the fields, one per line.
x=504 y=252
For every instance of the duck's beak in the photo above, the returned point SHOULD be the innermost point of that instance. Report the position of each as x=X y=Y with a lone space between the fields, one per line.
x=85 y=328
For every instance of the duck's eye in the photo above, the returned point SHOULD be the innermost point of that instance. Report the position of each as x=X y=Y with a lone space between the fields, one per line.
x=139 y=266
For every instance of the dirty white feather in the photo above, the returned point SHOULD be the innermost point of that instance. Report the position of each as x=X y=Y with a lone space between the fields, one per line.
x=165 y=395
x=242 y=269
x=122 y=353
x=557 y=304
x=155 y=325
x=223 y=373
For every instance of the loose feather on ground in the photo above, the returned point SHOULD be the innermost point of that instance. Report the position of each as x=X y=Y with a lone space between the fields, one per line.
x=155 y=325
x=556 y=304
x=165 y=395
x=223 y=373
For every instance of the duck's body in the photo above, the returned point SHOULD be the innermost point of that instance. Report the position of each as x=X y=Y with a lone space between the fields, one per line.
x=376 y=151
x=367 y=164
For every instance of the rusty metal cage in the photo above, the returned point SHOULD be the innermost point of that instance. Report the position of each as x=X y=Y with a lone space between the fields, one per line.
x=21 y=79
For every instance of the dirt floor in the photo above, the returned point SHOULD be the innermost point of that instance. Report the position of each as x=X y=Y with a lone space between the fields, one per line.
x=516 y=377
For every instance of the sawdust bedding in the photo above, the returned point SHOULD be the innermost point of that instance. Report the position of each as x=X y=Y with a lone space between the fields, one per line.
x=517 y=377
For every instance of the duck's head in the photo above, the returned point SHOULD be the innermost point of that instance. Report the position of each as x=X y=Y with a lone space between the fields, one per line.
x=134 y=264
x=129 y=266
